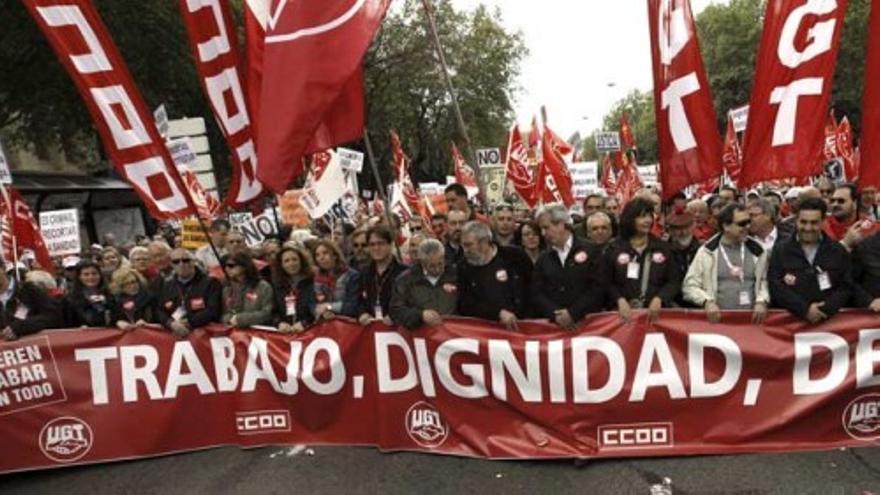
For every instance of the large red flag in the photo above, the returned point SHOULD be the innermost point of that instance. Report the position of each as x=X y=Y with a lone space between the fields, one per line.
x=627 y=139
x=464 y=174
x=732 y=156
x=609 y=176
x=213 y=40
x=869 y=144
x=629 y=182
x=517 y=168
x=17 y=216
x=553 y=180
x=845 y=150
x=126 y=127
x=312 y=86
x=795 y=68
x=256 y=16
x=687 y=135
x=401 y=173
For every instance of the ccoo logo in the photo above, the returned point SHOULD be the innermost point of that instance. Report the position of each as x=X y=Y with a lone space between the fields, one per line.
x=66 y=439
x=425 y=425
x=291 y=20
x=861 y=418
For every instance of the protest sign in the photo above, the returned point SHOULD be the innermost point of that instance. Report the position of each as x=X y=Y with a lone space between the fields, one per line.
x=607 y=142
x=258 y=229
x=60 y=230
x=584 y=179
x=192 y=235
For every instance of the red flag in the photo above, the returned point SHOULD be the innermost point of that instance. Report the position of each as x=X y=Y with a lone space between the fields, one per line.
x=28 y=236
x=687 y=135
x=845 y=149
x=312 y=87
x=401 y=173
x=554 y=180
x=84 y=47
x=609 y=176
x=869 y=144
x=517 y=169
x=626 y=134
x=464 y=174
x=212 y=38
x=629 y=182
x=732 y=157
x=256 y=15
x=830 y=146
x=795 y=68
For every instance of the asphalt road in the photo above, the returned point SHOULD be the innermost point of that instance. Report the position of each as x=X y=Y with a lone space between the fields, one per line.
x=352 y=470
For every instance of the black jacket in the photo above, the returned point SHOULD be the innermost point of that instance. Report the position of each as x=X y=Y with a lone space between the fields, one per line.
x=576 y=285
x=794 y=283
x=31 y=310
x=141 y=306
x=684 y=256
x=303 y=295
x=201 y=297
x=374 y=286
x=90 y=311
x=664 y=280
x=413 y=293
x=866 y=270
x=503 y=283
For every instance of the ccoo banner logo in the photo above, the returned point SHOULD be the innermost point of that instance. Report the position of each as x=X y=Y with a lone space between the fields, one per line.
x=66 y=439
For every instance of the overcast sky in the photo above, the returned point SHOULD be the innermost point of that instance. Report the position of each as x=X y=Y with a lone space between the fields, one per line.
x=577 y=48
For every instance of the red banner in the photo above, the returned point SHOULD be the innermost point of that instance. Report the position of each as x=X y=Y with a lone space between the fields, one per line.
x=133 y=143
x=516 y=167
x=214 y=44
x=687 y=135
x=681 y=386
x=869 y=144
x=20 y=231
x=464 y=174
x=795 y=68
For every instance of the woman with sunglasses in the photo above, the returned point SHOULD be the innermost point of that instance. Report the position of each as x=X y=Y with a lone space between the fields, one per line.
x=337 y=286
x=247 y=298
x=641 y=270
x=294 y=289
x=89 y=302
x=730 y=271
x=135 y=305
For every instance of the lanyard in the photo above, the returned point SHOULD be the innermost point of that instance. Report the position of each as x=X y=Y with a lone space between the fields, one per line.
x=737 y=271
x=379 y=281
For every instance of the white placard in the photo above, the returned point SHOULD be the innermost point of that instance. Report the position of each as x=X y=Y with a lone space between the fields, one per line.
x=60 y=230
x=648 y=173
x=5 y=175
x=236 y=219
x=740 y=117
x=488 y=156
x=607 y=142
x=319 y=197
x=351 y=160
x=584 y=179
x=182 y=153
x=160 y=115
x=258 y=229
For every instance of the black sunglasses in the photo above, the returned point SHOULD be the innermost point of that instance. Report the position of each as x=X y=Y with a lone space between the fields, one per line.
x=837 y=201
x=182 y=260
x=744 y=223
x=231 y=265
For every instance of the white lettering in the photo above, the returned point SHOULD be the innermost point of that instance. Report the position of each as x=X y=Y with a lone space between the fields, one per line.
x=97 y=359
x=671 y=98
x=442 y=363
x=819 y=36
x=502 y=360
x=697 y=345
x=787 y=98
x=580 y=347
x=655 y=346
x=804 y=343
x=387 y=383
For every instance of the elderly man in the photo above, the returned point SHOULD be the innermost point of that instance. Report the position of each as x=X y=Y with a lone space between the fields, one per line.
x=809 y=274
x=493 y=279
x=567 y=279
x=763 y=228
x=189 y=299
x=140 y=261
x=25 y=308
x=680 y=225
x=160 y=258
x=699 y=210
x=600 y=230
x=427 y=291
x=218 y=232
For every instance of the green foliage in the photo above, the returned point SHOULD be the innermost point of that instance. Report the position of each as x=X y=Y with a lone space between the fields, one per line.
x=406 y=91
x=639 y=108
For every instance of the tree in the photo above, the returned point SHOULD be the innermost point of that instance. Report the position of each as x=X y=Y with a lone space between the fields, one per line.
x=405 y=89
x=639 y=108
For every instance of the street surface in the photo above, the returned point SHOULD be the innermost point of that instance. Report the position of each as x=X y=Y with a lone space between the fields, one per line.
x=351 y=470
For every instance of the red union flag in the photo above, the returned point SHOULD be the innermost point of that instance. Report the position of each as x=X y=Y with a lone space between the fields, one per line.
x=688 y=139
x=18 y=220
x=517 y=169
x=130 y=137
x=464 y=174
x=553 y=182
x=795 y=67
x=732 y=156
x=312 y=81
x=401 y=173
x=214 y=45
x=869 y=145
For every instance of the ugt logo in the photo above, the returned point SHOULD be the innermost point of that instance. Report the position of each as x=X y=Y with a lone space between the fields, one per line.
x=66 y=439
x=425 y=425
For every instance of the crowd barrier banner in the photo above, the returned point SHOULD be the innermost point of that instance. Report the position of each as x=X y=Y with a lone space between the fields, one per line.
x=680 y=386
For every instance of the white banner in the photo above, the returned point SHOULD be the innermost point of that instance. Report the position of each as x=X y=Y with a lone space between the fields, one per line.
x=60 y=230
x=648 y=173
x=258 y=229
x=584 y=179
x=319 y=197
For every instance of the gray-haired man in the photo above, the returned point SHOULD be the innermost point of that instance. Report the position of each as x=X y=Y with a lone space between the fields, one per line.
x=427 y=291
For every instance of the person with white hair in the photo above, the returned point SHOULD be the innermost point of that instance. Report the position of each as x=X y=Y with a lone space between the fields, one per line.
x=427 y=291
x=567 y=279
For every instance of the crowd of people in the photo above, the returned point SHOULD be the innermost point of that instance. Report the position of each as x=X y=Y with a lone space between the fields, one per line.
x=809 y=250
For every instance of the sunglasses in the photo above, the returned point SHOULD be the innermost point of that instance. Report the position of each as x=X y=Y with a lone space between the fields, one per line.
x=231 y=265
x=744 y=223
x=358 y=245
x=827 y=192
x=182 y=260
x=837 y=201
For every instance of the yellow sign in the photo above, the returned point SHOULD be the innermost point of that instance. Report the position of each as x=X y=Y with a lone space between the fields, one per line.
x=292 y=211
x=192 y=235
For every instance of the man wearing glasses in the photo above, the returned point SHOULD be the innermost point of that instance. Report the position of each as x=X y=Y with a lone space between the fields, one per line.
x=189 y=299
x=844 y=223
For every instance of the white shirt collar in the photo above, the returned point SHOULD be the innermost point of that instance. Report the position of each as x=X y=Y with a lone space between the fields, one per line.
x=564 y=250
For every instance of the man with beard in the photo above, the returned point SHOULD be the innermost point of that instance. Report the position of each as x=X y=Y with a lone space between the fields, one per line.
x=809 y=274
x=360 y=256
x=455 y=220
x=844 y=213
x=680 y=225
x=493 y=279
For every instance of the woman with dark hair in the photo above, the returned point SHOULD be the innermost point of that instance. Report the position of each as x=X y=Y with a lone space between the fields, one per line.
x=528 y=235
x=378 y=279
x=247 y=298
x=134 y=304
x=336 y=285
x=640 y=267
x=89 y=302
x=294 y=289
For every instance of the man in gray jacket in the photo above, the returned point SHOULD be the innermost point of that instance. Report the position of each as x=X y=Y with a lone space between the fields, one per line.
x=427 y=291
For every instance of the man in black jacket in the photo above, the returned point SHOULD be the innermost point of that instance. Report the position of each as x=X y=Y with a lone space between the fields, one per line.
x=809 y=274
x=26 y=309
x=189 y=299
x=866 y=273
x=567 y=279
x=493 y=279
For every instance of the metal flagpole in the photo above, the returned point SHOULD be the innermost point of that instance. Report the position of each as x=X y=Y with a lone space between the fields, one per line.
x=453 y=95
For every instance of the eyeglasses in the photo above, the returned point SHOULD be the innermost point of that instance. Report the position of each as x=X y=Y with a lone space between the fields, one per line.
x=826 y=192
x=181 y=260
x=231 y=265
x=837 y=201
x=744 y=223
x=358 y=245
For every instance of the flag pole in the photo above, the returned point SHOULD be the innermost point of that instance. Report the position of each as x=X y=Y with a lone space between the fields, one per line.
x=432 y=27
x=11 y=220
